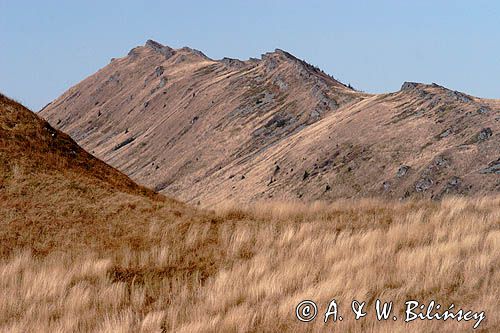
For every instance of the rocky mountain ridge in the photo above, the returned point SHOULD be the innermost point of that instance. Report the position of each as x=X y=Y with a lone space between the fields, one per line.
x=208 y=131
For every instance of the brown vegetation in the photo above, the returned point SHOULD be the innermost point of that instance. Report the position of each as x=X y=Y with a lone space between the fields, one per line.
x=246 y=270
x=84 y=249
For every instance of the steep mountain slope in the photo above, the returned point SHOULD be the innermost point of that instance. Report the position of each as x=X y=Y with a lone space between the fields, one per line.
x=30 y=143
x=56 y=196
x=209 y=131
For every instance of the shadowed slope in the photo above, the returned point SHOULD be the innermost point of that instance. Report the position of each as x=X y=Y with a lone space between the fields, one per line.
x=28 y=142
x=55 y=196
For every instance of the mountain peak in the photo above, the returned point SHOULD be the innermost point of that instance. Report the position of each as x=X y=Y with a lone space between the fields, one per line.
x=193 y=52
x=423 y=88
x=408 y=85
x=160 y=48
x=279 y=55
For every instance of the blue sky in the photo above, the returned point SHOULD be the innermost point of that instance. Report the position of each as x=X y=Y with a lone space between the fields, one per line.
x=48 y=46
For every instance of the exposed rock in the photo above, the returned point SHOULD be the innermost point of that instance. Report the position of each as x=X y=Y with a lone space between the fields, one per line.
x=386 y=185
x=409 y=86
x=180 y=59
x=268 y=98
x=232 y=63
x=285 y=55
x=445 y=133
x=114 y=78
x=454 y=181
x=50 y=129
x=453 y=186
x=271 y=64
x=423 y=184
x=163 y=82
x=483 y=110
x=133 y=53
x=461 y=97
x=493 y=167
x=315 y=114
x=276 y=170
x=195 y=52
x=46 y=105
x=159 y=71
x=306 y=175
x=485 y=134
x=325 y=103
x=124 y=143
x=402 y=171
x=282 y=85
x=162 y=49
x=441 y=161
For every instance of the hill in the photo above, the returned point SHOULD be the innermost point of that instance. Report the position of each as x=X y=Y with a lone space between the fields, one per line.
x=209 y=131
x=84 y=249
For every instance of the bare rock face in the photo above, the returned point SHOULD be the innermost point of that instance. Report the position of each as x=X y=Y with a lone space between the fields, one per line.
x=233 y=63
x=409 y=86
x=403 y=170
x=208 y=130
x=493 y=167
x=423 y=184
x=484 y=134
x=162 y=49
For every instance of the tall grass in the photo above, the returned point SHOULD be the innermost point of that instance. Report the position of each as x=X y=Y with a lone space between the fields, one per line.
x=245 y=269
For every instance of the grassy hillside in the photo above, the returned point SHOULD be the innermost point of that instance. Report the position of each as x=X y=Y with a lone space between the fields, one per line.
x=84 y=249
x=246 y=270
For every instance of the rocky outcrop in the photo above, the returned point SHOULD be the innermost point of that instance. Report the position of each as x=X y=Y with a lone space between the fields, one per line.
x=402 y=171
x=484 y=134
x=409 y=86
x=162 y=49
x=233 y=63
x=493 y=167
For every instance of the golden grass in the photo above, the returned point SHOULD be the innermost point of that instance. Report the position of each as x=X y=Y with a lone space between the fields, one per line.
x=245 y=269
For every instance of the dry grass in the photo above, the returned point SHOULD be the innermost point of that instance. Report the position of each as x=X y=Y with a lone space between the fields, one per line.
x=246 y=269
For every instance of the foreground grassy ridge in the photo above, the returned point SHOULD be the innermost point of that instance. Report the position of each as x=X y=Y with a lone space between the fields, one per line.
x=246 y=269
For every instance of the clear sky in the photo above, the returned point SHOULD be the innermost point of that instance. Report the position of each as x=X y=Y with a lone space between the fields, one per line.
x=48 y=46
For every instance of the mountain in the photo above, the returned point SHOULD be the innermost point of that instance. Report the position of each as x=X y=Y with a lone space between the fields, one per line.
x=208 y=131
